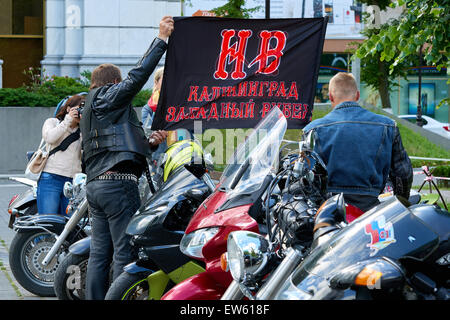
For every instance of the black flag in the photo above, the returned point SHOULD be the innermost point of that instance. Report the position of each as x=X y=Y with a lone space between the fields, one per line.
x=229 y=73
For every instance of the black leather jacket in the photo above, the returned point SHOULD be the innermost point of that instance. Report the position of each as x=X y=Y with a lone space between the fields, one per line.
x=111 y=104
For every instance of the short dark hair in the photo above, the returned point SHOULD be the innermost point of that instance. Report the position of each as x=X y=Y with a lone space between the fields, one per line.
x=104 y=74
x=73 y=101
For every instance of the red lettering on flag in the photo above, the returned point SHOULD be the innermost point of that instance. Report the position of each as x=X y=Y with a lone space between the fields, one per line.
x=265 y=52
x=230 y=53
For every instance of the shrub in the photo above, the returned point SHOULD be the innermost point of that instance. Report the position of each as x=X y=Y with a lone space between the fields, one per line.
x=141 y=98
x=22 y=97
x=442 y=171
x=44 y=91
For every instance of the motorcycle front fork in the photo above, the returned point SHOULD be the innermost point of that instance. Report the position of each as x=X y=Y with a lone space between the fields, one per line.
x=233 y=292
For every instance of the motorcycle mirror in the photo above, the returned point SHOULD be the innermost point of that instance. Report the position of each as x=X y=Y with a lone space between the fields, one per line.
x=196 y=193
x=331 y=212
x=68 y=190
x=308 y=142
x=341 y=206
x=197 y=167
x=374 y=273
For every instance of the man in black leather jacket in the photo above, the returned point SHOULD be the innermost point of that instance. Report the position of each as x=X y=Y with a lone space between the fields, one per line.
x=114 y=156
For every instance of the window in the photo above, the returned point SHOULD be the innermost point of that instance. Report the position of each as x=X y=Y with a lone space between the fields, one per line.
x=21 y=17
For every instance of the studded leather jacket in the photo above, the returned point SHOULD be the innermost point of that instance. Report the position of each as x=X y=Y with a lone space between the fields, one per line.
x=112 y=135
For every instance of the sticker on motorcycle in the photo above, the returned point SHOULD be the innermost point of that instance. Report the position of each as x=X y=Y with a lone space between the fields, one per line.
x=381 y=234
x=444 y=260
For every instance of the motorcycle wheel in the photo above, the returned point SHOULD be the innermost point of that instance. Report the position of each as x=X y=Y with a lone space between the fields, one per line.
x=129 y=287
x=26 y=253
x=70 y=278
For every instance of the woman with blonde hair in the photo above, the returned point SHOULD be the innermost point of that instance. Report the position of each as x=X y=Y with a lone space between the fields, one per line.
x=148 y=111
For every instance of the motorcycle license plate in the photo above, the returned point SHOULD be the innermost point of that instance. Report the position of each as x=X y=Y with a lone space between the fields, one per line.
x=12 y=218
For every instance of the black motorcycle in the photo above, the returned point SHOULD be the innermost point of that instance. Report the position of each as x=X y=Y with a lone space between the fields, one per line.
x=156 y=231
x=157 y=228
x=391 y=252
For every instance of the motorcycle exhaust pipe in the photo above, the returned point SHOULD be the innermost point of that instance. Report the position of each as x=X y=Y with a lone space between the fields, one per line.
x=70 y=225
x=279 y=276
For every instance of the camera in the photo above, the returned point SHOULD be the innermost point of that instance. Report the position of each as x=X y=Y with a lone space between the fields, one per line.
x=80 y=109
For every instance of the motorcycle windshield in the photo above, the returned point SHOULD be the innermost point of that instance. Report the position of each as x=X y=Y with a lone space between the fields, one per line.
x=254 y=158
x=388 y=230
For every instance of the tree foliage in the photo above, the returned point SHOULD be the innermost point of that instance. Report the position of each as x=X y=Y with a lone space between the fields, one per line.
x=377 y=72
x=235 y=9
x=423 y=25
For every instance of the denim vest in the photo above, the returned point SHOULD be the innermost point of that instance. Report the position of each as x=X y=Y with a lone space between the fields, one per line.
x=356 y=146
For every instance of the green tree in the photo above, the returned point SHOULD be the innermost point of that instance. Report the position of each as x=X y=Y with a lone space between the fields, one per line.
x=235 y=9
x=376 y=70
x=424 y=25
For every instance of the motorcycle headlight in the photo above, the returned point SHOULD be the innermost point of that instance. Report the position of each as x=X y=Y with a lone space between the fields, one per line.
x=247 y=254
x=192 y=243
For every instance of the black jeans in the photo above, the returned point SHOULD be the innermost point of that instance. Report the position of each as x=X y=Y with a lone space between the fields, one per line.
x=112 y=203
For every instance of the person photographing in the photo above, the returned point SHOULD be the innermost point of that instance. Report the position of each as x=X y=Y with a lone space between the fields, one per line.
x=65 y=162
x=115 y=149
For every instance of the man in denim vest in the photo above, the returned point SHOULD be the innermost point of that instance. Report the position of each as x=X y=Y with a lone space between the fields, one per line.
x=360 y=148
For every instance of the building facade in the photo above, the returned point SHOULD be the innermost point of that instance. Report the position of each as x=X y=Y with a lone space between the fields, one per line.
x=81 y=34
x=67 y=37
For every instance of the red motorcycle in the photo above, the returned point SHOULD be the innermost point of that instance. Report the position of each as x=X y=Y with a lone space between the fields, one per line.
x=234 y=205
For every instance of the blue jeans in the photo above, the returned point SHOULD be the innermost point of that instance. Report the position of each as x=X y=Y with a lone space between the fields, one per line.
x=50 y=196
x=112 y=203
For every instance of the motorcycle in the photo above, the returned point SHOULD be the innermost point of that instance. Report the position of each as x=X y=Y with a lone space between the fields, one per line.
x=156 y=229
x=234 y=205
x=23 y=204
x=346 y=260
x=29 y=258
x=291 y=224
x=391 y=252
x=77 y=210
x=299 y=189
